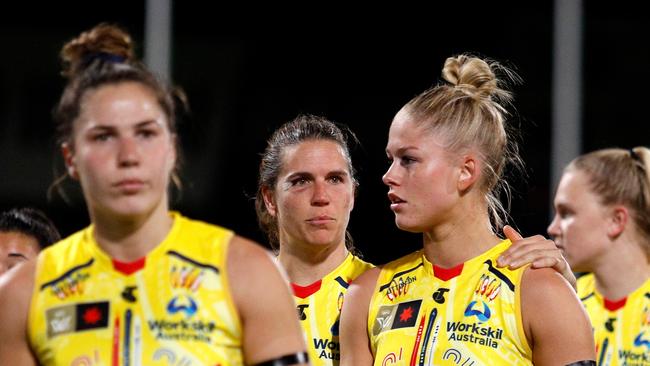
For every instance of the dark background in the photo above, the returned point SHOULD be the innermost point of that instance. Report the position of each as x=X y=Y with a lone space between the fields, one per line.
x=248 y=70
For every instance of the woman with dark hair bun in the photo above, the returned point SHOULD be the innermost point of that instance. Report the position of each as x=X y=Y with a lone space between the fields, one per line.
x=142 y=284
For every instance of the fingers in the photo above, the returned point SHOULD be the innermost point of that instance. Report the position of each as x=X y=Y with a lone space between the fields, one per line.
x=536 y=250
x=511 y=233
x=541 y=255
x=530 y=248
x=546 y=262
x=560 y=265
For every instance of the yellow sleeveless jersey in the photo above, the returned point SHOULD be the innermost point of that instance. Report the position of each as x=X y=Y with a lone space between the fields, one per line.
x=622 y=327
x=421 y=314
x=172 y=307
x=319 y=309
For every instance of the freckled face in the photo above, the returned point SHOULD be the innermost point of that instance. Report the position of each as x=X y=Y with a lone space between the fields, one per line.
x=122 y=151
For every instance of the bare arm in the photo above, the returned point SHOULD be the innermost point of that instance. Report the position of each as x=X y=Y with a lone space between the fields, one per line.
x=15 y=296
x=266 y=307
x=355 y=345
x=556 y=324
x=536 y=250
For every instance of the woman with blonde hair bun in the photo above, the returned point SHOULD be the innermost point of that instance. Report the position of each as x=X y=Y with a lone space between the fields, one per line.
x=448 y=303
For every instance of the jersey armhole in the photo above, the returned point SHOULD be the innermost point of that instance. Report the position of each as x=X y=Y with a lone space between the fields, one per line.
x=35 y=318
x=226 y=282
x=372 y=314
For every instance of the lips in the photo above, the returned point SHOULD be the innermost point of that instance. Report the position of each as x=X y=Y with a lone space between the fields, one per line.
x=395 y=201
x=129 y=185
x=320 y=220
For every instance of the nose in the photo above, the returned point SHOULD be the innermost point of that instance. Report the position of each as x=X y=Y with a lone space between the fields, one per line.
x=390 y=177
x=128 y=154
x=553 y=228
x=320 y=196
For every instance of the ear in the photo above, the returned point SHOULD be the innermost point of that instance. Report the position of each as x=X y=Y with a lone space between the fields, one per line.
x=173 y=152
x=69 y=160
x=354 y=195
x=619 y=216
x=469 y=172
x=269 y=201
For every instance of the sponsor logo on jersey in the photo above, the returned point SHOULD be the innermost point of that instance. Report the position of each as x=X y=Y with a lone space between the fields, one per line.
x=474 y=333
x=399 y=287
x=396 y=316
x=60 y=320
x=182 y=330
x=439 y=295
x=76 y=317
x=628 y=357
x=74 y=284
x=488 y=287
x=170 y=357
x=69 y=283
x=327 y=349
x=128 y=294
x=482 y=315
x=87 y=359
x=391 y=358
x=457 y=357
x=302 y=315
x=609 y=324
x=183 y=304
x=641 y=340
x=187 y=277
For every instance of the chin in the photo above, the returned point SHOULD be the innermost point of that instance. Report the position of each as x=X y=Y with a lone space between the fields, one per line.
x=578 y=267
x=132 y=209
x=407 y=226
x=322 y=242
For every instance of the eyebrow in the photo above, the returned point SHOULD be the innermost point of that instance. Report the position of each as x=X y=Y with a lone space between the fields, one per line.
x=144 y=123
x=562 y=206
x=310 y=175
x=338 y=172
x=401 y=150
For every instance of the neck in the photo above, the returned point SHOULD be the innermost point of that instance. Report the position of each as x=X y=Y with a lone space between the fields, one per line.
x=128 y=239
x=465 y=235
x=308 y=263
x=623 y=269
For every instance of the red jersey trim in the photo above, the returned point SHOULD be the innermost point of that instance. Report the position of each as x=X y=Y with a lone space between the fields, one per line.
x=128 y=268
x=447 y=274
x=614 y=305
x=305 y=291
